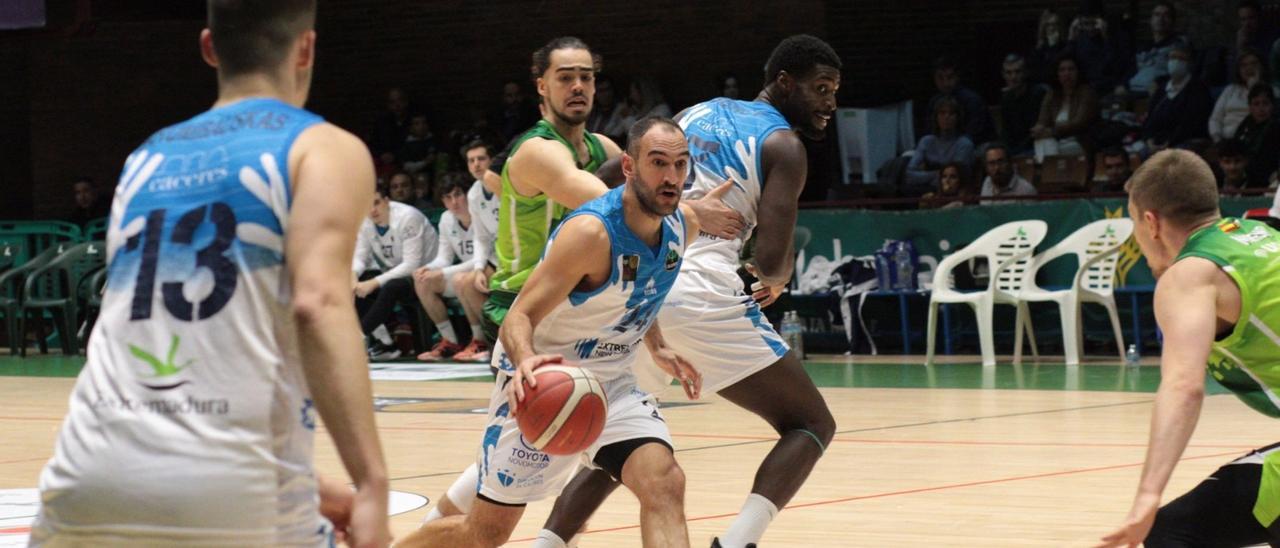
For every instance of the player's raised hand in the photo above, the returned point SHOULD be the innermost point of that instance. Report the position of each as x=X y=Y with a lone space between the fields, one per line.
x=368 y=527
x=764 y=294
x=716 y=218
x=524 y=373
x=675 y=365
x=1136 y=525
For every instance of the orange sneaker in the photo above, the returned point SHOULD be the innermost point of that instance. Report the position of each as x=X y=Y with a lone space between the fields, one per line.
x=442 y=350
x=476 y=351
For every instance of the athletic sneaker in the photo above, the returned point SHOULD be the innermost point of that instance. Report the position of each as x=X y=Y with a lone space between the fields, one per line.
x=379 y=352
x=442 y=350
x=715 y=543
x=476 y=351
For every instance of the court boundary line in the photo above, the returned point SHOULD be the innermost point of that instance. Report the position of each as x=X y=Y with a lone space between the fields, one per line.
x=908 y=492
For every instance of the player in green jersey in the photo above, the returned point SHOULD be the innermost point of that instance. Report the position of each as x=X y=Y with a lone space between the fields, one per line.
x=1217 y=301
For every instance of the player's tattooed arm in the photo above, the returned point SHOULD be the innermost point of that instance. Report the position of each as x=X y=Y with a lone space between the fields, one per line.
x=785 y=169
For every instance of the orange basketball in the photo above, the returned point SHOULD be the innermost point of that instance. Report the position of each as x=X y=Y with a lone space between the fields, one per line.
x=565 y=413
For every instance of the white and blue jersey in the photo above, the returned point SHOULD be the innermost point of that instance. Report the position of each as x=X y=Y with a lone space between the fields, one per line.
x=708 y=318
x=725 y=138
x=599 y=329
x=192 y=419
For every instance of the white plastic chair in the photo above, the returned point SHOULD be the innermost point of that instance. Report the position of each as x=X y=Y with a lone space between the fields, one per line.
x=1008 y=249
x=1096 y=245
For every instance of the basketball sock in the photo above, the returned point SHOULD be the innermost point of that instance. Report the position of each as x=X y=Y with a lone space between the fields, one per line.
x=382 y=335
x=446 y=331
x=463 y=491
x=548 y=539
x=477 y=333
x=751 y=522
x=433 y=515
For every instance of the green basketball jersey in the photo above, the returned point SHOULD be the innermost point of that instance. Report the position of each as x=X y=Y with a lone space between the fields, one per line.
x=525 y=222
x=1247 y=361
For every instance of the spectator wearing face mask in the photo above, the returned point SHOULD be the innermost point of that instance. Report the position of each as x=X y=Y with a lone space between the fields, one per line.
x=1180 y=108
x=1150 y=64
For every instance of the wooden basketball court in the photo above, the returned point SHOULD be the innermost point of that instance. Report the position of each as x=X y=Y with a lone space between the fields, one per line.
x=948 y=455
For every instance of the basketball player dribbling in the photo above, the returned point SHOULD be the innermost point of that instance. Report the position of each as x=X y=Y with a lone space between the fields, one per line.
x=592 y=299
x=755 y=146
x=227 y=322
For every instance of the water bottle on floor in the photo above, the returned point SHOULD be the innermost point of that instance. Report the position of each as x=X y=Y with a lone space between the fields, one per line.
x=1131 y=357
x=793 y=332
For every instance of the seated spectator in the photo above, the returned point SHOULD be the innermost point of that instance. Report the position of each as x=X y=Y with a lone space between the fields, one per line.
x=951 y=189
x=604 y=108
x=975 y=120
x=1050 y=42
x=1101 y=57
x=418 y=153
x=87 y=205
x=393 y=242
x=1066 y=114
x=1151 y=64
x=400 y=188
x=1233 y=104
x=392 y=125
x=1260 y=135
x=1001 y=180
x=1019 y=105
x=1115 y=164
x=943 y=147
x=1252 y=31
x=728 y=86
x=450 y=273
x=516 y=113
x=1233 y=165
x=422 y=198
x=644 y=99
x=1180 y=107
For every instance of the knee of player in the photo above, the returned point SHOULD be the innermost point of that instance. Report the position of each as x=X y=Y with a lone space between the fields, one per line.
x=823 y=426
x=663 y=486
x=488 y=534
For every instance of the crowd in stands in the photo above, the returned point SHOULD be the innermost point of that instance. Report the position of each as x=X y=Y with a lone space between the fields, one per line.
x=1090 y=96
x=1086 y=95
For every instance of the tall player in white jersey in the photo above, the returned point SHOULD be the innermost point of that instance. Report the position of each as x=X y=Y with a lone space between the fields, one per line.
x=227 y=322
x=708 y=318
x=593 y=297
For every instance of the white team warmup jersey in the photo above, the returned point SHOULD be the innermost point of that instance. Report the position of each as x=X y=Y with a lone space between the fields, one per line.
x=191 y=421
x=455 y=243
x=406 y=244
x=484 y=221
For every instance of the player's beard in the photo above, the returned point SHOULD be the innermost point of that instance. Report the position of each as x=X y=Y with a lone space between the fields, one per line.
x=648 y=200
x=569 y=120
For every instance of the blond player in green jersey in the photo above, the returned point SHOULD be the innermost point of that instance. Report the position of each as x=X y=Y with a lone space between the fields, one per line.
x=1217 y=300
